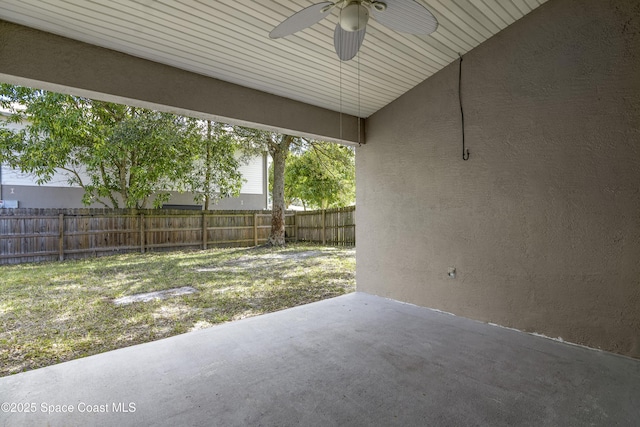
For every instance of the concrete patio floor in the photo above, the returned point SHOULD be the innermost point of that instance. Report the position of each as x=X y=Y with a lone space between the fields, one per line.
x=352 y=360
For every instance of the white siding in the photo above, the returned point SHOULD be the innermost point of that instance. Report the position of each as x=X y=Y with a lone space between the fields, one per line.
x=253 y=173
x=12 y=176
x=15 y=177
x=11 y=126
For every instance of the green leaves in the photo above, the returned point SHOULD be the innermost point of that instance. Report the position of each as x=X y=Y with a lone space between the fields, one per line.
x=322 y=176
x=126 y=156
x=215 y=174
x=144 y=154
x=121 y=156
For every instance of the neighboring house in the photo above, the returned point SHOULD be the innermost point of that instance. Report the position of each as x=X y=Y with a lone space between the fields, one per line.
x=18 y=189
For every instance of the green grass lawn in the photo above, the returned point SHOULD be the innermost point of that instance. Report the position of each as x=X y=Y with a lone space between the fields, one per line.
x=54 y=312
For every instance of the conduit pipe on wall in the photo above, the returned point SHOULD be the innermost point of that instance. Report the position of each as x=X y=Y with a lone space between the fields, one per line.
x=465 y=153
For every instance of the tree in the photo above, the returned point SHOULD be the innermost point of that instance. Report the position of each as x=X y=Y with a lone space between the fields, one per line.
x=321 y=176
x=216 y=174
x=119 y=155
x=278 y=146
x=144 y=153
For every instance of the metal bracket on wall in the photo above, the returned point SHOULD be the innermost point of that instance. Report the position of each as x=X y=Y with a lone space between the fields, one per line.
x=465 y=152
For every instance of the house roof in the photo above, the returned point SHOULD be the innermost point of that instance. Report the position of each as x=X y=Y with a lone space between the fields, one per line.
x=228 y=40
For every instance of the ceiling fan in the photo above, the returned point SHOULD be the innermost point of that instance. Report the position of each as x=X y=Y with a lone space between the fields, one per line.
x=404 y=16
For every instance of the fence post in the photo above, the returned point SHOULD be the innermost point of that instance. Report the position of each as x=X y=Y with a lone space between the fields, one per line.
x=142 y=233
x=295 y=226
x=205 y=232
x=61 y=241
x=255 y=229
x=324 y=230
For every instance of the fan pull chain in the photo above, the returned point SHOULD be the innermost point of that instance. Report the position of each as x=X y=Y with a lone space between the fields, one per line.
x=341 y=138
x=359 y=121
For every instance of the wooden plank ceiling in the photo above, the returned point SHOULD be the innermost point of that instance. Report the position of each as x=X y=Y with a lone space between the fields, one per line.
x=228 y=40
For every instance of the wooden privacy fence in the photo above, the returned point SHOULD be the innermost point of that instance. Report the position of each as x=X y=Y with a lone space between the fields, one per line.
x=332 y=226
x=31 y=235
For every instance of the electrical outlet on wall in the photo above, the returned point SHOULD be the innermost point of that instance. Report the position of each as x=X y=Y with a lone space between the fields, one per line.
x=451 y=272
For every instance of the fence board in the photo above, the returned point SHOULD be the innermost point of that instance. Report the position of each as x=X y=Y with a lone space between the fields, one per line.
x=333 y=226
x=32 y=235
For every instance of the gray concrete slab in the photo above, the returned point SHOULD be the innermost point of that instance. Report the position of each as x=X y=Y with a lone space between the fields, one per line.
x=352 y=360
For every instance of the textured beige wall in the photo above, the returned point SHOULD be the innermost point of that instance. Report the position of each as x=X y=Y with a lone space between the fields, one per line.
x=34 y=58
x=543 y=222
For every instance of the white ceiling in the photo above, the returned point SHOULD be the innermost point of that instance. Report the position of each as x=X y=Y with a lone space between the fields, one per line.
x=228 y=40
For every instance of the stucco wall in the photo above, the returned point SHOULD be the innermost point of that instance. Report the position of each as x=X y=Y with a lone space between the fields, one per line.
x=543 y=222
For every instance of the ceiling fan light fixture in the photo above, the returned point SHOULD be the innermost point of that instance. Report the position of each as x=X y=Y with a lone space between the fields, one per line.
x=354 y=16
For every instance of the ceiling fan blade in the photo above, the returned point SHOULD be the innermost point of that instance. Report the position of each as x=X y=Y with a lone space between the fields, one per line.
x=302 y=19
x=347 y=43
x=406 y=16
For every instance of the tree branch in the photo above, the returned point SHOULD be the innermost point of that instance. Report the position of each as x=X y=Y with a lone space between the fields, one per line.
x=83 y=185
x=105 y=183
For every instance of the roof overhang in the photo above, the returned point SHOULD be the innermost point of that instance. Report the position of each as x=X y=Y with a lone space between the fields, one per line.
x=34 y=58
x=214 y=58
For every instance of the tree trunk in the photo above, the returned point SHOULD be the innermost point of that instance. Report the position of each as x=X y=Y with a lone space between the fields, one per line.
x=279 y=153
